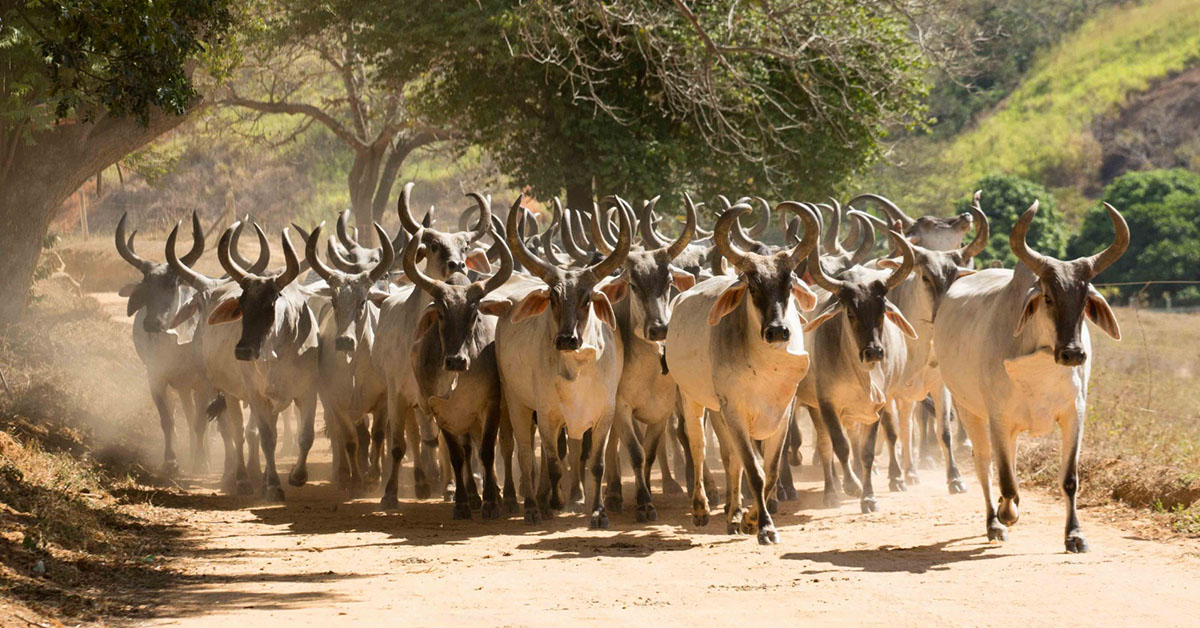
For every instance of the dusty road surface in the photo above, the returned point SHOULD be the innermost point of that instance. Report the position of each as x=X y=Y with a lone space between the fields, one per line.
x=923 y=560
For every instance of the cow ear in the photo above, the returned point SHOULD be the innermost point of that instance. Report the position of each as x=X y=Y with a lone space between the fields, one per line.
x=803 y=295
x=495 y=307
x=227 y=312
x=533 y=304
x=603 y=309
x=889 y=262
x=478 y=261
x=894 y=315
x=682 y=279
x=1027 y=312
x=136 y=302
x=963 y=272
x=833 y=309
x=401 y=280
x=730 y=298
x=378 y=296
x=184 y=313
x=1098 y=311
x=128 y=289
x=615 y=288
x=428 y=318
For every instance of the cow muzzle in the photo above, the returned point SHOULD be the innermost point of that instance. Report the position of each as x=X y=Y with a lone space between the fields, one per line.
x=1070 y=355
x=345 y=344
x=153 y=325
x=871 y=354
x=656 y=332
x=568 y=342
x=456 y=266
x=245 y=353
x=776 y=333
x=456 y=363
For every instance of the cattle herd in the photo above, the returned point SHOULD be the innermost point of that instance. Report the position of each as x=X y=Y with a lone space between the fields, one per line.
x=599 y=332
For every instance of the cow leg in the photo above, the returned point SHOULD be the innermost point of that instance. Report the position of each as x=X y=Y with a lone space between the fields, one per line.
x=194 y=402
x=353 y=443
x=595 y=464
x=734 y=479
x=362 y=433
x=490 y=507
x=942 y=405
x=977 y=427
x=253 y=447
x=841 y=448
x=905 y=412
x=511 y=506
x=574 y=475
x=637 y=456
x=887 y=420
x=668 y=451
x=166 y=420
x=826 y=457
x=307 y=407
x=289 y=440
x=378 y=437
x=689 y=466
x=773 y=465
x=652 y=445
x=794 y=441
x=397 y=424
x=693 y=432
x=867 y=454
x=268 y=440
x=235 y=425
x=521 y=421
x=744 y=451
x=473 y=498
x=443 y=463
x=454 y=449
x=1004 y=449
x=614 y=500
x=412 y=433
x=1072 y=439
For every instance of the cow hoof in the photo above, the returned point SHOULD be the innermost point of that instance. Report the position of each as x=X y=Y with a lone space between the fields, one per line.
x=422 y=490
x=700 y=519
x=462 y=511
x=546 y=512
x=869 y=505
x=1007 y=511
x=244 y=487
x=795 y=458
x=511 y=506
x=851 y=488
x=735 y=524
x=533 y=516
x=671 y=487
x=792 y=494
x=475 y=501
x=997 y=531
x=614 y=502
x=389 y=503
x=896 y=485
x=1076 y=544
x=772 y=506
x=448 y=495
x=170 y=469
x=599 y=520
x=646 y=513
x=768 y=535
x=832 y=500
x=957 y=487
x=556 y=502
x=273 y=494
x=490 y=509
x=576 y=493
x=911 y=477
x=298 y=476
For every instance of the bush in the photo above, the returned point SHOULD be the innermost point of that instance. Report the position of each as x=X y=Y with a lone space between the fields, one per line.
x=1004 y=199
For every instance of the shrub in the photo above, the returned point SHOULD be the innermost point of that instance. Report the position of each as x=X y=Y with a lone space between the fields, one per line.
x=1004 y=199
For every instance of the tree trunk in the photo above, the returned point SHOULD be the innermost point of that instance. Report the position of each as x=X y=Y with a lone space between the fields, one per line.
x=44 y=173
x=579 y=194
x=363 y=177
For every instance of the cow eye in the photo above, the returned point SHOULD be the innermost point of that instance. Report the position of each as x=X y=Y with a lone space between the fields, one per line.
x=1047 y=298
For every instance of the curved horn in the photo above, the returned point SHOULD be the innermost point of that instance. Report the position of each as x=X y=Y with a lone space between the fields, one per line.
x=414 y=274
x=567 y=232
x=760 y=227
x=427 y=221
x=343 y=234
x=402 y=209
x=894 y=213
x=817 y=272
x=910 y=259
x=387 y=255
x=547 y=242
x=1098 y=262
x=853 y=237
x=126 y=252
x=650 y=238
x=1016 y=241
x=610 y=264
x=866 y=246
x=982 y=232
x=310 y=253
x=185 y=272
x=292 y=269
x=521 y=253
x=485 y=215
x=740 y=238
x=791 y=237
x=689 y=229
x=193 y=255
x=829 y=240
x=264 y=249
x=598 y=239
x=231 y=267
x=725 y=225
x=501 y=276
x=812 y=230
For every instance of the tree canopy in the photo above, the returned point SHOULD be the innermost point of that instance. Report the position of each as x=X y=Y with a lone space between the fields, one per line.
x=1004 y=198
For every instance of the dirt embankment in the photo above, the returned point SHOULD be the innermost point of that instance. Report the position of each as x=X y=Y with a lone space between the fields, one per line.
x=1158 y=128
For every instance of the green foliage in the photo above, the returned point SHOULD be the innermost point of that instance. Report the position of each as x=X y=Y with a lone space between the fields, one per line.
x=126 y=57
x=1162 y=208
x=1004 y=199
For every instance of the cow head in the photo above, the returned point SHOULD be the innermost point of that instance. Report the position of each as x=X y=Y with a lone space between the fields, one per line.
x=457 y=304
x=350 y=293
x=932 y=232
x=449 y=252
x=769 y=279
x=255 y=307
x=157 y=293
x=572 y=295
x=1063 y=295
x=861 y=296
x=204 y=286
x=693 y=258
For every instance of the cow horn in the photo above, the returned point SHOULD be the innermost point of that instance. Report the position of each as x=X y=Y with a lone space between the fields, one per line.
x=343 y=234
x=910 y=259
x=292 y=269
x=387 y=254
x=982 y=232
x=501 y=276
x=812 y=230
x=760 y=227
x=817 y=272
x=689 y=228
x=540 y=268
x=598 y=239
x=126 y=251
x=402 y=210
x=725 y=225
x=853 y=234
x=568 y=234
x=791 y=237
x=866 y=246
x=414 y=274
x=547 y=242
x=829 y=240
x=185 y=272
x=650 y=238
x=338 y=258
x=264 y=249
x=1016 y=241
x=485 y=215
x=314 y=260
x=610 y=264
x=193 y=255
x=1102 y=260
x=894 y=213
x=231 y=267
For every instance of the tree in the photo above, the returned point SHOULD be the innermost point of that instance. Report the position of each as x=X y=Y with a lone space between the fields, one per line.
x=84 y=83
x=644 y=98
x=309 y=49
x=1004 y=198
x=1162 y=208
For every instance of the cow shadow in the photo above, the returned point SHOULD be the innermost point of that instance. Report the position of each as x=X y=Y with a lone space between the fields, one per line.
x=918 y=559
x=626 y=544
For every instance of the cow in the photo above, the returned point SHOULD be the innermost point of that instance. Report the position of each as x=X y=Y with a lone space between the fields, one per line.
x=932 y=232
x=1021 y=363
x=858 y=338
x=560 y=356
x=277 y=349
x=454 y=361
x=167 y=351
x=446 y=254
x=735 y=347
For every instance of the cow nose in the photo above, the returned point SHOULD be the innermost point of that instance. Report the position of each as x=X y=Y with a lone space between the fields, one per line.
x=873 y=353
x=1070 y=356
x=656 y=333
x=455 y=266
x=344 y=343
x=152 y=326
x=456 y=363
x=776 y=333
x=567 y=342
x=244 y=353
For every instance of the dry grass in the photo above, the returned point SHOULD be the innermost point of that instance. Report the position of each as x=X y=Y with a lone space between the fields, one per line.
x=1142 y=440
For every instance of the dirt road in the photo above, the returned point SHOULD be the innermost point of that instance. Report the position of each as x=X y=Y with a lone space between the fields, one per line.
x=921 y=561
